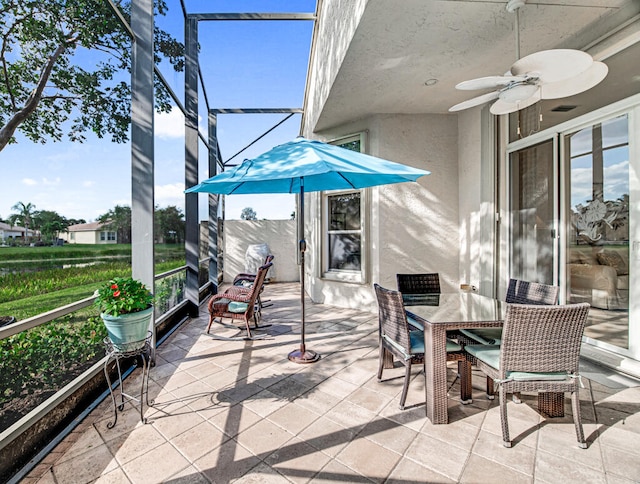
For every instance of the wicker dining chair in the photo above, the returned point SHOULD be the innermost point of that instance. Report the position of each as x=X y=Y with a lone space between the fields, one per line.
x=540 y=352
x=418 y=283
x=408 y=346
x=518 y=292
x=239 y=303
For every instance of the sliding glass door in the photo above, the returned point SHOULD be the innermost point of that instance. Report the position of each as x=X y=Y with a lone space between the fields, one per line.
x=571 y=200
x=533 y=213
x=597 y=221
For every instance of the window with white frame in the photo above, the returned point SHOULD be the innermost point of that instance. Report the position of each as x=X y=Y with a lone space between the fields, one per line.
x=343 y=228
x=344 y=234
x=107 y=236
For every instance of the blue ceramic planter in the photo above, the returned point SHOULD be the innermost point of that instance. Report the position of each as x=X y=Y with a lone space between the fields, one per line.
x=127 y=332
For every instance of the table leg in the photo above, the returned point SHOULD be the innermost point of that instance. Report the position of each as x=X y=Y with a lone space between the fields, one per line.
x=466 y=390
x=435 y=373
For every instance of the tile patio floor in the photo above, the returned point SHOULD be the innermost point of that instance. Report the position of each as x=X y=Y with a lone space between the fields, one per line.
x=239 y=411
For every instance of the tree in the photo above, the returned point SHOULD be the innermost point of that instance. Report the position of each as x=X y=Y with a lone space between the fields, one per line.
x=49 y=223
x=118 y=220
x=23 y=216
x=42 y=85
x=76 y=221
x=169 y=225
x=248 y=214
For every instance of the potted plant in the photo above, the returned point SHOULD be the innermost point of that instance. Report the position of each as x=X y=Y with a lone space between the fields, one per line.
x=126 y=308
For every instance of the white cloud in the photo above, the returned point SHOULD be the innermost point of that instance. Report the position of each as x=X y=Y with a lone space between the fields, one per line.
x=170 y=194
x=29 y=182
x=171 y=124
x=88 y=183
x=47 y=182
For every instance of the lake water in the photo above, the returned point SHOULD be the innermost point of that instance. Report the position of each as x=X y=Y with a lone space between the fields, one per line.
x=13 y=267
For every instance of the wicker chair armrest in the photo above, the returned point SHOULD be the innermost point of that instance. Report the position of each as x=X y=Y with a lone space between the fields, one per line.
x=244 y=277
x=238 y=294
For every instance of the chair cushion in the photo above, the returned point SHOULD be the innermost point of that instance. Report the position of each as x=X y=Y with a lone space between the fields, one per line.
x=415 y=323
x=452 y=346
x=490 y=354
x=484 y=336
x=528 y=376
x=417 y=341
x=244 y=283
x=417 y=344
x=221 y=302
x=237 y=307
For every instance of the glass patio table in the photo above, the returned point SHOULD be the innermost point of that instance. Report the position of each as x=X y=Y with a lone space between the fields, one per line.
x=440 y=313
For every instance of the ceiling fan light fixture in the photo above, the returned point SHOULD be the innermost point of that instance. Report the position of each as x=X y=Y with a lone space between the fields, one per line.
x=503 y=107
x=518 y=93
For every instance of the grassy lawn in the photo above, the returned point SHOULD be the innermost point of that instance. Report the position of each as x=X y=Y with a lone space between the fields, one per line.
x=25 y=294
x=37 y=362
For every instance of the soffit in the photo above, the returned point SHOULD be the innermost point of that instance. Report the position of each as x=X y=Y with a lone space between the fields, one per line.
x=400 y=45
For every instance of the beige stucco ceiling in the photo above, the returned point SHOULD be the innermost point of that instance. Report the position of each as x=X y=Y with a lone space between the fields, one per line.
x=400 y=44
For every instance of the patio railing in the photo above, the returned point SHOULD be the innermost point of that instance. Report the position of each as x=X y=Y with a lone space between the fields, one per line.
x=51 y=357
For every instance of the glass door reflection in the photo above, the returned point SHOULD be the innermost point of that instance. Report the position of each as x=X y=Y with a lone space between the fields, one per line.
x=598 y=227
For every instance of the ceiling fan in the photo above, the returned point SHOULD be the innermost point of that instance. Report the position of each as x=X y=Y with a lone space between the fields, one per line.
x=548 y=74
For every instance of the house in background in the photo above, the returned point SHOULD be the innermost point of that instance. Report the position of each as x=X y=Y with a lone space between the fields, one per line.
x=90 y=233
x=14 y=232
x=549 y=193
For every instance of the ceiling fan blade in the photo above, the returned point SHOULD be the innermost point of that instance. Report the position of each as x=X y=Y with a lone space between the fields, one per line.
x=476 y=101
x=576 y=84
x=553 y=65
x=489 y=82
x=503 y=107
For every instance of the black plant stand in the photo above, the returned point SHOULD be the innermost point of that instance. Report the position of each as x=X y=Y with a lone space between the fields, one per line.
x=116 y=352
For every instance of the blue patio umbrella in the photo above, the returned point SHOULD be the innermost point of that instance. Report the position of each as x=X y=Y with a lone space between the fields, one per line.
x=300 y=166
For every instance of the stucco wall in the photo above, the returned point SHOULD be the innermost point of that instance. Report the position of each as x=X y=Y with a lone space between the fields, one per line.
x=413 y=226
x=87 y=237
x=335 y=30
x=470 y=198
x=279 y=235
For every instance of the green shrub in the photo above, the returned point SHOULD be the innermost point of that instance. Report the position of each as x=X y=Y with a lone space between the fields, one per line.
x=40 y=361
x=49 y=356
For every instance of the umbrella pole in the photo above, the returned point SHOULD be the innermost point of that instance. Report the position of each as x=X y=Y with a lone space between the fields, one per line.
x=303 y=355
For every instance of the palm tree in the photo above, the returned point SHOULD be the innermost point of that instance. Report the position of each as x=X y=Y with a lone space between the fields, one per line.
x=24 y=216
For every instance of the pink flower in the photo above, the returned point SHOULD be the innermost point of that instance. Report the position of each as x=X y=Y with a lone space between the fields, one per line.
x=116 y=294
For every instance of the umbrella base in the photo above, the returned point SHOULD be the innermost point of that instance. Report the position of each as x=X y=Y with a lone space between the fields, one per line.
x=306 y=356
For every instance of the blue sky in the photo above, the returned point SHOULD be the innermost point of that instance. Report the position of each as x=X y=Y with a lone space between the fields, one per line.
x=250 y=64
